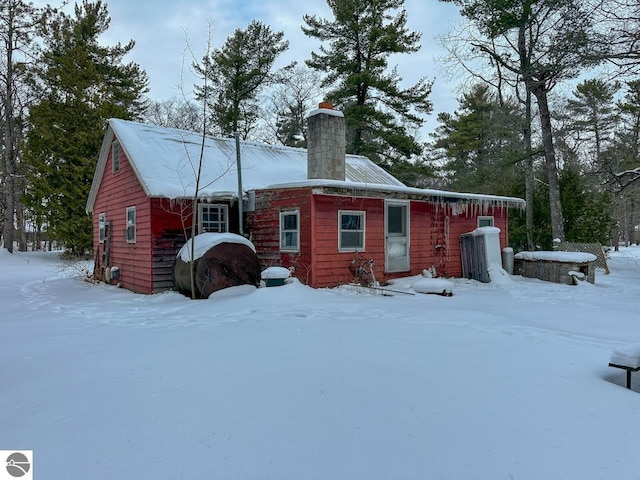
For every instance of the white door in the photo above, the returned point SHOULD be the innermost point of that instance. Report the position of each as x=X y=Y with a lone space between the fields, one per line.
x=397 y=236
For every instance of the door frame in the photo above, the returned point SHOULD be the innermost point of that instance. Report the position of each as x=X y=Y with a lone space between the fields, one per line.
x=388 y=240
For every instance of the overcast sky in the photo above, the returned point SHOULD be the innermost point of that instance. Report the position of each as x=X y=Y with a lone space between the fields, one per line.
x=161 y=29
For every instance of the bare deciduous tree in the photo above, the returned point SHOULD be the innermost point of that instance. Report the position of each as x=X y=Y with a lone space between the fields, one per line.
x=296 y=91
x=176 y=112
x=542 y=43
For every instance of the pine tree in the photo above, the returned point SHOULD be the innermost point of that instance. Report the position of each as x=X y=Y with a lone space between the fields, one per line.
x=83 y=84
x=594 y=119
x=592 y=115
x=482 y=142
x=622 y=162
x=629 y=111
x=380 y=116
x=587 y=212
x=237 y=73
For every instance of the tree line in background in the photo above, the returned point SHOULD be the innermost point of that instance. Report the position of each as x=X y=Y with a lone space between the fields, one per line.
x=573 y=157
x=58 y=85
x=523 y=50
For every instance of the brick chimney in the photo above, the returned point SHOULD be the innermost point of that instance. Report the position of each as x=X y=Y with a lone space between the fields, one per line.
x=326 y=143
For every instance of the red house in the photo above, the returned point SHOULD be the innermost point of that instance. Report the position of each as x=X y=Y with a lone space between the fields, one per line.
x=313 y=210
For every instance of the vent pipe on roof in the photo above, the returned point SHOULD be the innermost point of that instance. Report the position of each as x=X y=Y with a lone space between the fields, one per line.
x=326 y=143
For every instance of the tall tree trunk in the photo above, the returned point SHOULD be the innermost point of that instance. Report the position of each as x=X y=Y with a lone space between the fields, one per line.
x=529 y=173
x=631 y=223
x=37 y=237
x=557 y=219
x=9 y=140
x=9 y=204
x=538 y=88
x=21 y=224
x=9 y=168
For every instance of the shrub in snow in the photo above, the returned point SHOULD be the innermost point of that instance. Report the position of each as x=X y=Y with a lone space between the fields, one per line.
x=429 y=272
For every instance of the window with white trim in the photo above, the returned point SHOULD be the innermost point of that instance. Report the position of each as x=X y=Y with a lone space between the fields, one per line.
x=115 y=156
x=102 y=223
x=351 y=226
x=290 y=231
x=131 y=224
x=213 y=218
x=485 y=221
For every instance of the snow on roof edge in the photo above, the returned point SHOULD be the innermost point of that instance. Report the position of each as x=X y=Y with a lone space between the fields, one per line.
x=347 y=184
x=107 y=140
x=398 y=189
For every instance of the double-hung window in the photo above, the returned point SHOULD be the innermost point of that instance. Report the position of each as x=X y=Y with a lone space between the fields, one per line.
x=351 y=227
x=131 y=224
x=290 y=231
x=213 y=218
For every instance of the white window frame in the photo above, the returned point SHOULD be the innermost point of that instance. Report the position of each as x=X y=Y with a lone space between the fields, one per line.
x=284 y=247
x=358 y=248
x=115 y=156
x=131 y=225
x=102 y=224
x=225 y=214
x=393 y=261
x=486 y=218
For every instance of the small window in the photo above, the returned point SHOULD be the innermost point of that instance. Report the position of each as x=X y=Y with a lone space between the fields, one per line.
x=102 y=223
x=485 y=221
x=115 y=156
x=131 y=225
x=290 y=231
x=213 y=218
x=350 y=231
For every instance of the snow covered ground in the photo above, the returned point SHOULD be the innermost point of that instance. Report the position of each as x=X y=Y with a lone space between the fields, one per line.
x=507 y=380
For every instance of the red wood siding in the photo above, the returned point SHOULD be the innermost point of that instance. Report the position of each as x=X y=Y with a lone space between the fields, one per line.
x=434 y=234
x=264 y=229
x=170 y=227
x=434 y=238
x=332 y=267
x=117 y=192
x=445 y=225
x=147 y=265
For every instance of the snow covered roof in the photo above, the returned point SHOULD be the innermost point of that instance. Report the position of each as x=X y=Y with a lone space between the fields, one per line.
x=355 y=188
x=165 y=161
